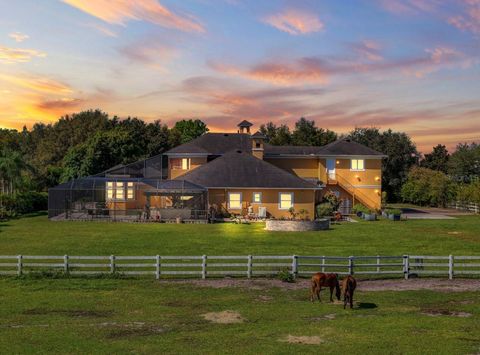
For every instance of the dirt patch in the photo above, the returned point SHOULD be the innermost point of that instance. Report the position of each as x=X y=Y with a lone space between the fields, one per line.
x=324 y=317
x=264 y=298
x=445 y=312
x=225 y=317
x=135 y=329
x=68 y=313
x=442 y=285
x=309 y=340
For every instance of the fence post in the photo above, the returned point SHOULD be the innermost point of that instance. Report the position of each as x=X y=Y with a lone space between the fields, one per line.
x=204 y=266
x=249 y=266
x=406 y=266
x=294 y=266
x=112 y=264
x=323 y=263
x=19 y=265
x=378 y=263
x=450 y=266
x=157 y=267
x=350 y=265
x=65 y=264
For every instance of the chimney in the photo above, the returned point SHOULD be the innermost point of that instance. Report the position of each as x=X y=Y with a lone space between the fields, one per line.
x=244 y=127
x=258 y=140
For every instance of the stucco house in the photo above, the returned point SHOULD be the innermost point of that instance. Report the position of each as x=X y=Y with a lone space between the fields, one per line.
x=238 y=173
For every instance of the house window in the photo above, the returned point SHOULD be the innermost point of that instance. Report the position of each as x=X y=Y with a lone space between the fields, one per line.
x=185 y=163
x=130 y=191
x=285 y=200
x=235 y=200
x=118 y=190
x=357 y=164
x=257 y=197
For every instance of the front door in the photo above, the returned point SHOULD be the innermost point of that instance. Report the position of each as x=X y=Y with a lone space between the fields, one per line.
x=331 y=169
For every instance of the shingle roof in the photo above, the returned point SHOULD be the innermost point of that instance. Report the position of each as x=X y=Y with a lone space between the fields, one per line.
x=242 y=170
x=347 y=147
x=215 y=144
x=258 y=134
x=221 y=143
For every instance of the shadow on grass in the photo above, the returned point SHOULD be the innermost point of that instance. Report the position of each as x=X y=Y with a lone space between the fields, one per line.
x=366 y=305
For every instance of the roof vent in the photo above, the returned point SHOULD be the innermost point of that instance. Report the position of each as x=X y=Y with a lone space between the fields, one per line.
x=239 y=151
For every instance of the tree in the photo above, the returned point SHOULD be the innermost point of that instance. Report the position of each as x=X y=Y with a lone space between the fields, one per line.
x=464 y=163
x=437 y=159
x=276 y=135
x=401 y=151
x=187 y=130
x=306 y=133
x=428 y=187
x=12 y=167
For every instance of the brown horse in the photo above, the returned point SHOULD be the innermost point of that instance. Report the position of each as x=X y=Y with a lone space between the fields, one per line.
x=348 y=285
x=327 y=280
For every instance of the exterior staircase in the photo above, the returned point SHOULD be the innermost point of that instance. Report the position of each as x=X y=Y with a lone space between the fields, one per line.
x=357 y=195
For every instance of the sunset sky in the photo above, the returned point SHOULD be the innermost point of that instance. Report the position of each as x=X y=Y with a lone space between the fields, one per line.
x=409 y=65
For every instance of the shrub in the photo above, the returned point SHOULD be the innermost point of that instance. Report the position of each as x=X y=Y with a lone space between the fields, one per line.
x=428 y=187
x=360 y=208
x=22 y=203
x=324 y=209
x=393 y=211
x=285 y=275
x=333 y=200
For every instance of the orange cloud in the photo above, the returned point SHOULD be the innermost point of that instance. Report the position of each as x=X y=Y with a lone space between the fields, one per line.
x=18 y=37
x=121 y=11
x=36 y=83
x=299 y=72
x=18 y=55
x=294 y=22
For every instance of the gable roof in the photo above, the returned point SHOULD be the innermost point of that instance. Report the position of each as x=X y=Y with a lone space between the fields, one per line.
x=245 y=123
x=214 y=144
x=239 y=169
x=348 y=147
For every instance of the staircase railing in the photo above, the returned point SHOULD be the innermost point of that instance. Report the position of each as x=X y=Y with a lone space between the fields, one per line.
x=355 y=192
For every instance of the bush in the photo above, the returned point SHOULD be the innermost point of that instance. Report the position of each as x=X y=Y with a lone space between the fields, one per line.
x=286 y=276
x=469 y=193
x=428 y=187
x=22 y=203
x=324 y=209
x=393 y=211
x=360 y=208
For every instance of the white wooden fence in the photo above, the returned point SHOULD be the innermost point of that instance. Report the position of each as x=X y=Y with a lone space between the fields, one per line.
x=467 y=206
x=245 y=265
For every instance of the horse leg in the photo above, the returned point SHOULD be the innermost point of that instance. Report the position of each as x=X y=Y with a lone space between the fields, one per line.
x=351 y=300
x=312 y=291
x=331 y=293
x=345 y=299
x=319 y=288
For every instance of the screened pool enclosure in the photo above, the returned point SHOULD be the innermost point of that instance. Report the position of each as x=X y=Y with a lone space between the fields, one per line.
x=129 y=193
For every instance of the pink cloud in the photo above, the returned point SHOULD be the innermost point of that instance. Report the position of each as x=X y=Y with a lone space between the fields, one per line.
x=470 y=19
x=18 y=37
x=294 y=22
x=409 y=7
x=121 y=11
x=148 y=52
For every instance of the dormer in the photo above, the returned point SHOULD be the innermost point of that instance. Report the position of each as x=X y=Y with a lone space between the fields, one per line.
x=258 y=140
x=244 y=127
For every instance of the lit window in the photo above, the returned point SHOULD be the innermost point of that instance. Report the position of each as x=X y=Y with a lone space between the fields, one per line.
x=257 y=197
x=358 y=164
x=110 y=190
x=235 y=200
x=285 y=200
x=130 y=191
x=185 y=163
x=116 y=190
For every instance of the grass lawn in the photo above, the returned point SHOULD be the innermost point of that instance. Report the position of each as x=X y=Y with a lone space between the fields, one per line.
x=37 y=235
x=144 y=316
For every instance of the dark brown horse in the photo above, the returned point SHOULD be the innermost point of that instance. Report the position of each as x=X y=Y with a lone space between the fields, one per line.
x=348 y=285
x=326 y=280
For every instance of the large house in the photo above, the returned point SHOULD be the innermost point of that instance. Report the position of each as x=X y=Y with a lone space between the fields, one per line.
x=235 y=173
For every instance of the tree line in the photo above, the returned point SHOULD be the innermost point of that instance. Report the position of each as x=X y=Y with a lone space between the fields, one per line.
x=89 y=142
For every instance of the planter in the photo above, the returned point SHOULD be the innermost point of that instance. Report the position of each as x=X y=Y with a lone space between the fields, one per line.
x=384 y=214
x=291 y=226
x=360 y=214
x=394 y=217
x=370 y=216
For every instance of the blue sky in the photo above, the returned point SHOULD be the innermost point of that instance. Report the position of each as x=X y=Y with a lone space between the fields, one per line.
x=409 y=65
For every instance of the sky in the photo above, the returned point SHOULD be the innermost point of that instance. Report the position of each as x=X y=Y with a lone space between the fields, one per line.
x=409 y=65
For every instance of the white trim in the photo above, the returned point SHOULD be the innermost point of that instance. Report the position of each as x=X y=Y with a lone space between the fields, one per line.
x=368 y=186
x=241 y=200
x=260 y=188
x=280 y=199
x=253 y=197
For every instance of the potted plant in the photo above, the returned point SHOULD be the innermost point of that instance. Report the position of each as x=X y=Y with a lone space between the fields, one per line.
x=394 y=214
x=359 y=210
x=369 y=215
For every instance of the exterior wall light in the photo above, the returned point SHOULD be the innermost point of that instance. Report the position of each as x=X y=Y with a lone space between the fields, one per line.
x=377 y=178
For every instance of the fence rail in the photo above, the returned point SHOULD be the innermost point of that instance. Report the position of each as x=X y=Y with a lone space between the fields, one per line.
x=242 y=265
x=465 y=206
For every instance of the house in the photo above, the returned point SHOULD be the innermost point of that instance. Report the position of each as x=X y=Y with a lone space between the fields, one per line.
x=235 y=173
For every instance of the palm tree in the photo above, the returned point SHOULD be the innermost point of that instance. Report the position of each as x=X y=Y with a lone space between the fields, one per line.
x=12 y=165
